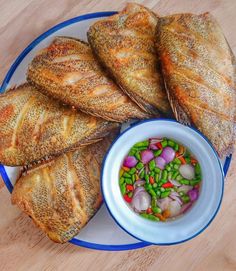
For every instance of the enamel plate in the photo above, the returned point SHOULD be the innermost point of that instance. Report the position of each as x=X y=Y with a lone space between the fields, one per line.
x=101 y=232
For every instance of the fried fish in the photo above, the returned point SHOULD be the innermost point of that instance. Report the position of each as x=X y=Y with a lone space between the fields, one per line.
x=68 y=71
x=61 y=196
x=199 y=76
x=34 y=126
x=125 y=44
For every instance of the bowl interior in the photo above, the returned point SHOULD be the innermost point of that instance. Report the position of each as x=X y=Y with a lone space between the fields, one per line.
x=202 y=212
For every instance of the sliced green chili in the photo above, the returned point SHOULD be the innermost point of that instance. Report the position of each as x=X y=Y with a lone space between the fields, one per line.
x=157 y=153
x=165 y=194
x=139 y=165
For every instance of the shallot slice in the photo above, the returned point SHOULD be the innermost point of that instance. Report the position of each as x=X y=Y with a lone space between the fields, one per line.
x=175 y=196
x=160 y=162
x=154 y=141
x=141 y=201
x=164 y=203
x=138 y=190
x=187 y=171
x=174 y=208
x=193 y=194
x=168 y=154
x=147 y=156
x=153 y=147
x=130 y=161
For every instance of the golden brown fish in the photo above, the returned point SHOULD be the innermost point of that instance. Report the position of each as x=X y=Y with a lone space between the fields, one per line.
x=199 y=75
x=34 y=126
x=68 y=71
x=125 y=44
x=61 y=196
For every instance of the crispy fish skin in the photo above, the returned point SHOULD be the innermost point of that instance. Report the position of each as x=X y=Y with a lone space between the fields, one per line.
x=125 y=44
x=34 y=126
x=68 y=71
x=199 y=76
x=63 y=195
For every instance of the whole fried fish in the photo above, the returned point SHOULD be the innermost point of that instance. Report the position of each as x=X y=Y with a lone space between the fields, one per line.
x=63 y=194
x=125 y=44
x=34 y=126
x=199 y=76
x=68 y=71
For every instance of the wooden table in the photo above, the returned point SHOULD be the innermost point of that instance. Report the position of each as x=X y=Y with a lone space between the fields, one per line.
x=22 y=245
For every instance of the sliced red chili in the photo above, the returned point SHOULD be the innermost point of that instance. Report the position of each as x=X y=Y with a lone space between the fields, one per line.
x=181 y=158
x=129 y=187
x=159 y=146
x=149 y=211
x=167 y=185
x=193 y=161
x=151 y=180
x=127 y=198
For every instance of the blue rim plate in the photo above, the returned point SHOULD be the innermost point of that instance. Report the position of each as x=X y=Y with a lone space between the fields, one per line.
x=5 y=82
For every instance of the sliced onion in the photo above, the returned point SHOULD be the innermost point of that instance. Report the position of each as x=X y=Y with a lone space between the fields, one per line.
x=141 y=201
x=177 y=199
x=174 y=208
x=168 y=154
x=156 y=139
x=175 y=196
x=139 y=183
x=187 y=171
x=160 y=162
x=138 y=190
x=175 y=183
x=153 y=147
x=185 y=207
x=147 y=156
x=185 y=188
x=174 y=193
x=130 y=161
x=164 y=203
x=193 y=194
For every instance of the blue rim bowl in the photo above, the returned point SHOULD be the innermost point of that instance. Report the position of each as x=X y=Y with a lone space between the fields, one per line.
x=202 y=213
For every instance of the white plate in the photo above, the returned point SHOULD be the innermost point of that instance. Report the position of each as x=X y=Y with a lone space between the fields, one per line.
x=101 y=232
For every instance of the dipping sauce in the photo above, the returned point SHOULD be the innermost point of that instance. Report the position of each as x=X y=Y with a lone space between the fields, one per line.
x=160 y=179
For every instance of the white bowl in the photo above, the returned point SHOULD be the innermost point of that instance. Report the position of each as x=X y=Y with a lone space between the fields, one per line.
x=198 y=217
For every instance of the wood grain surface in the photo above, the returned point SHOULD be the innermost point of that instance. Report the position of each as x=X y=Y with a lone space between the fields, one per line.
x=22 y=245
